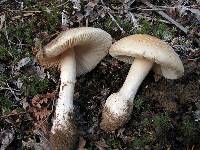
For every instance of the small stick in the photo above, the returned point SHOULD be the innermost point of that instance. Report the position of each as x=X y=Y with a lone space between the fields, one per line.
x=12 y=114
x=16 y=98
x=113 y=19
x=164 y=15
x=111 y=16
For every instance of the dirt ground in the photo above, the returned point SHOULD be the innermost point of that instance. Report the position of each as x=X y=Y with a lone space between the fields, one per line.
x=177 y=98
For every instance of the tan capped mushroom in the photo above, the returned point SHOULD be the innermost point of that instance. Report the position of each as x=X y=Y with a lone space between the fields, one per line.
x=74 y=52
x=144 y=52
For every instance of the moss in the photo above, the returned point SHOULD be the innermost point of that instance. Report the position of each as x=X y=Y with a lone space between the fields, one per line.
x=157 y=28
x=5 y=104
x=161 y=121
x=51 y=19
x=33 y=85
x=23 y=30
x=3 y=79
x=4 y=53
x=190 y=131
x=125 y=24
x=146 y=122
x=138 y=104
x=145 y=27
x=160 y=30
x=111 y=27
x=140 y=142
x=115 y=144
x=108 y=25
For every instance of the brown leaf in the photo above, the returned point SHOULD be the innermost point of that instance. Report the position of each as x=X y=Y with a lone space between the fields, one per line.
x=6 y=137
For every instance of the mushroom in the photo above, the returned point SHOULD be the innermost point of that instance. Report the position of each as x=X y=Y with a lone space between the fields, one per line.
x=144 y=52
x=74 y=52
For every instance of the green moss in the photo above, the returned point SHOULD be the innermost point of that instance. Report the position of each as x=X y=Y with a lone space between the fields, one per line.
x=114 y=143
x=5 y=104
x=108 y=25
x=191 y=131
x=3 y=79
x=34 y=85
x=160 y=30
x=111 y=27
x=146 y=122
x=22 y=30
x=145 y=27
x=52 y=19
x=138 y=103
x=157 y=28
x=4 y=53
x=140 y=142
x=161 y=124
x=125 y=24
x=161 y=121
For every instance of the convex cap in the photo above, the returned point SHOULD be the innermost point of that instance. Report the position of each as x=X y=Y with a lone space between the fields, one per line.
x=90 y=46
x=167 y=62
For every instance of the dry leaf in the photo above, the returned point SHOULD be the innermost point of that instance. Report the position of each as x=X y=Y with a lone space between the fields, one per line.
x=76 y=4
x=2 y=20
x=40 y=72
x=6 y=137
x=23 y=62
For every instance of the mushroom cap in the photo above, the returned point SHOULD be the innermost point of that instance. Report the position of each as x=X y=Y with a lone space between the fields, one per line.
x=90 y=46
x=167 y=61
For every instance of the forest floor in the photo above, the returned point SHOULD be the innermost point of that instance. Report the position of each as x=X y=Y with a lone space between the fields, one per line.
x=166 y=113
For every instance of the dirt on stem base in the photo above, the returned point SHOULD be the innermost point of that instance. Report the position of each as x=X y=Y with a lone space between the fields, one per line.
x=111 y=122
x=65 y=139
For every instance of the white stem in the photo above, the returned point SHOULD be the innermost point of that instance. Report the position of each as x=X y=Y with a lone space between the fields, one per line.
x=138 y=71
x=65 y=101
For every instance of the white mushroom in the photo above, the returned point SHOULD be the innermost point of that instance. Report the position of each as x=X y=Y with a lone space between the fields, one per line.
x=144 y=52
x=75 y=52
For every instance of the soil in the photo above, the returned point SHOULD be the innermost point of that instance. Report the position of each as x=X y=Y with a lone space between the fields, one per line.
x=178 y=98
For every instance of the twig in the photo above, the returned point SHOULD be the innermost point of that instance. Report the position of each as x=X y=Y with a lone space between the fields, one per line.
x=111 y=16
x=6 y=34
x=134 y=21
x=4 y=88
x=13 y=93
x=42 y=135
x=24 y=15
x=12 y=114
x=113 y=19
x=164 y=15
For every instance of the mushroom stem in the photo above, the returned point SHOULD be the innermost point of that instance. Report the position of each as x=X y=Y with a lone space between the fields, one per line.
x=138 y=71
x=65 y=101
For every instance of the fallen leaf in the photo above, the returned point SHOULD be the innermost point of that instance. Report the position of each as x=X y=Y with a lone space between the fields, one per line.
x=89 y=7
x=65 y=20
x=6 y=137
x=19 y=83
x=2 y=68
x=40 y=72
x=2 y=20
x=76 y=4
x=197 y=115
x=23 y=62
x=196 y=12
